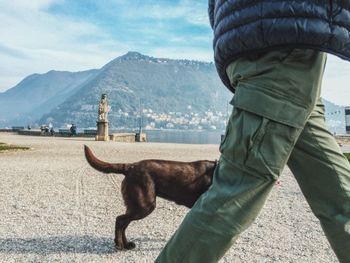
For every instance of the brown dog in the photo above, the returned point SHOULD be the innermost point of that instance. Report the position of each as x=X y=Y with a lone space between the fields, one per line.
x=181 y=182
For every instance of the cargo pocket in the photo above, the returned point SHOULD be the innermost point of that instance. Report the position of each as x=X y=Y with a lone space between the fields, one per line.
x=270 y=148
x=242 y=130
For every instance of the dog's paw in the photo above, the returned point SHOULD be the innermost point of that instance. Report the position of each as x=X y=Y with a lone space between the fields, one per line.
x=119 y=246
x=130 y=245
x=127 y=246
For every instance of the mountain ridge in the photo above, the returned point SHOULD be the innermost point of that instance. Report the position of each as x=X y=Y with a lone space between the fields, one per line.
x=163 y=85
x=131 y=81
x=22 y=102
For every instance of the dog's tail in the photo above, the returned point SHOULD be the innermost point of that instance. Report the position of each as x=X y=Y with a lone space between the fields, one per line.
x=102 y=166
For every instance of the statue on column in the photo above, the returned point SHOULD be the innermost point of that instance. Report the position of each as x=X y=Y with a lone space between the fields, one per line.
x=103 y=108
x=102 y=122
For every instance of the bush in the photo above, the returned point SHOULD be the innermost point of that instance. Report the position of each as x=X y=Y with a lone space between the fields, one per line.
x=7 y=147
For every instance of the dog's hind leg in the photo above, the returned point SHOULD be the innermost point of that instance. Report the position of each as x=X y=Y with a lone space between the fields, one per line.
x=140 y=202
x=122 y=223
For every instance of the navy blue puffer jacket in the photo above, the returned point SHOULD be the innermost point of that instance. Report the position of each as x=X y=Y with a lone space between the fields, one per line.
x=245 y=26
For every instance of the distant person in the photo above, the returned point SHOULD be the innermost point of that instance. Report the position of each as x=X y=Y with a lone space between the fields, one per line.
x=73 y=130
x=52 y=131
x=270 y=54
x=29 y=127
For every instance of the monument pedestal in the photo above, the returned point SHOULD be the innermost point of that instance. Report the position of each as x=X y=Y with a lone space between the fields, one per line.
x=140 y=137
x=102 y=131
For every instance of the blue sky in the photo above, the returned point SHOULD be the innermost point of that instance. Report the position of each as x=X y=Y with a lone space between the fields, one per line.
x=40 y=35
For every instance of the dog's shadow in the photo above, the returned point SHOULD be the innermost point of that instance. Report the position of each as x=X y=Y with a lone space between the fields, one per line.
x=60 y=244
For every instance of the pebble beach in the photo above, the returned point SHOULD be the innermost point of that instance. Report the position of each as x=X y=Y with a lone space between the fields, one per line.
x=55 y=208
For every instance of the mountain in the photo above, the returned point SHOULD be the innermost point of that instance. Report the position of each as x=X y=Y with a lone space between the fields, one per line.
x=38 y=94
x=161 y=85
x=170 y=93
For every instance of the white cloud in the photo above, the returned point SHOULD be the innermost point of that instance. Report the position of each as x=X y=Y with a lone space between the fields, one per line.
x=34 y=41
x=189 y=10
x=29 y=5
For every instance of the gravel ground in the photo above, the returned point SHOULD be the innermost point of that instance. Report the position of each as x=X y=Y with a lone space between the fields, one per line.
x=55 y=208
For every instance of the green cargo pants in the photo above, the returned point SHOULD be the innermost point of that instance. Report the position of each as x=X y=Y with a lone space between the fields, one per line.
x=278 y=117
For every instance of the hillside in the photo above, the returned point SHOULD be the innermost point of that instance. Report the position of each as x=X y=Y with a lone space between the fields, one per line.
x=162 y=86
x=38 y=94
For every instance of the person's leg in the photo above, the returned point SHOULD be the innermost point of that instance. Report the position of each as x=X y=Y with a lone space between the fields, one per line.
x=239 y=190
x=256 y=147
x=323 y=174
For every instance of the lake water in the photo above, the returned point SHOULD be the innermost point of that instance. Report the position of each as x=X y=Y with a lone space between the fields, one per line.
x=179 y=136
x=183 y=136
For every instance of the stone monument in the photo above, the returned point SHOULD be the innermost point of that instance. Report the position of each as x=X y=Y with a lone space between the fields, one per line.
x=102 y=122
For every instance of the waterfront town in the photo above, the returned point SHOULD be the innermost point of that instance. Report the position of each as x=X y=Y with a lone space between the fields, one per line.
x=208 y=120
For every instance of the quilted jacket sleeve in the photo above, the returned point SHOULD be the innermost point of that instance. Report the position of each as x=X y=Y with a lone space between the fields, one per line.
x=211 y=12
